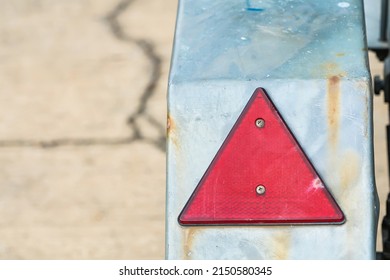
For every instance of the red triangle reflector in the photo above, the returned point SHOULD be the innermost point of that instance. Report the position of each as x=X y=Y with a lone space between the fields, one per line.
x=260 y=175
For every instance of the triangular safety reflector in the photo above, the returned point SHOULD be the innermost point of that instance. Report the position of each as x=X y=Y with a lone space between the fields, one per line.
x=260 y=175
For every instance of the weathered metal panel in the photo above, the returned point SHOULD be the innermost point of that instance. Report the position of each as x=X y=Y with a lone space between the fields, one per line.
x=311 y=58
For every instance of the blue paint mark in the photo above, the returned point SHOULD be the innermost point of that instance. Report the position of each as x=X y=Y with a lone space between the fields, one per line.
x=252 y=9
x=255 y=9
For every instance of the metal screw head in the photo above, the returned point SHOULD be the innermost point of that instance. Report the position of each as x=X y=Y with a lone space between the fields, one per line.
x=260 y=123
x=260 y=190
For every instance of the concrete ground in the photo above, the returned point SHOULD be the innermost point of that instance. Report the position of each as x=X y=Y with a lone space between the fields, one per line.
x=82 y=128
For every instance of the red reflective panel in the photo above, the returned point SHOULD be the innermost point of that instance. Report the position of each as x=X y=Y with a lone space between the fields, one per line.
x=260 y=175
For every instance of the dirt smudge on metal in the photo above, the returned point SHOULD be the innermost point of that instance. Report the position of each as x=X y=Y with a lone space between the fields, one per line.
x=334 y=110
x=188 y=242
x=350 y=198
x=350 y=169
x=281 y=244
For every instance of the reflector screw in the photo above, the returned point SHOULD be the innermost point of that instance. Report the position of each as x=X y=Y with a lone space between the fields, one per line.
x=260 y=189
x=260 y=123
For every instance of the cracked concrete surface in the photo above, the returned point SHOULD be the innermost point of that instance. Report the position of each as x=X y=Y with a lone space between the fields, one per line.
x=140 y=113
x=148 y=49
x=89 y=77
x=82 y=128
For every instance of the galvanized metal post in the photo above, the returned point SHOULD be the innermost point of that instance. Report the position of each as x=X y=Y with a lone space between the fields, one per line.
x=311 y=58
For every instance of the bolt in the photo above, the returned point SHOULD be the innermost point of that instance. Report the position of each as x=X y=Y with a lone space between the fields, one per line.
x=260 y=190
x=260 y=123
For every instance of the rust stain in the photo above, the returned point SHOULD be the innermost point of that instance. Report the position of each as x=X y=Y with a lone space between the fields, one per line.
x=170 y=124
x=172 y=131
x=340 y=54
x=189 y=235
x=281 y=243
x=334 y=107
x=328 y=70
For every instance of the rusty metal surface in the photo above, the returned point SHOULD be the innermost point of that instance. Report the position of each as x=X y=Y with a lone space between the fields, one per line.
x=310 y=57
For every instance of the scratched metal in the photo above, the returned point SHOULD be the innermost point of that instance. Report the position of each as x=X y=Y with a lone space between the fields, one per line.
x=310 y=57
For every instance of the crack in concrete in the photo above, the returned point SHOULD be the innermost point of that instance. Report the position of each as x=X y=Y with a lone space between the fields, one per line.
x=65 y=142
x=148 y=48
